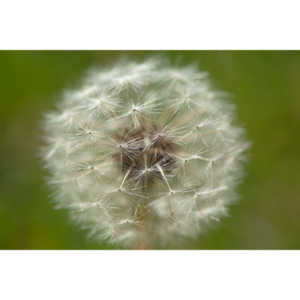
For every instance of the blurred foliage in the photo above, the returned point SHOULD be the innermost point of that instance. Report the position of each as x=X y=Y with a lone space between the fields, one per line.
x=266 y=90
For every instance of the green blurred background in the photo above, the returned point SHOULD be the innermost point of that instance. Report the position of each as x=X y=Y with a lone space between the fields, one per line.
x=266 y=90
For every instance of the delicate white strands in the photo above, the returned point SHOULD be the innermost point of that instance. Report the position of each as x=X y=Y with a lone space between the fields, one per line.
x=144 y=154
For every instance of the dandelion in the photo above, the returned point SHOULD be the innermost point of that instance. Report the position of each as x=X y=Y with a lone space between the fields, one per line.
x=144 y=154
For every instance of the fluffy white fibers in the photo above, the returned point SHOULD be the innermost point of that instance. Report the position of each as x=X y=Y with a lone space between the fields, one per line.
x=144 y=154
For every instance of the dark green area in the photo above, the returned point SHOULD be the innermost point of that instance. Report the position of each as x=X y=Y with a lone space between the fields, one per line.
x=266 y=90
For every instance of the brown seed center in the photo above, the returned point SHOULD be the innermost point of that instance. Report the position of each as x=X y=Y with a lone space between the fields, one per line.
x=144 y=154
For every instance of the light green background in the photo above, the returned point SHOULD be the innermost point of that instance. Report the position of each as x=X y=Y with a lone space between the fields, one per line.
x=266 y=90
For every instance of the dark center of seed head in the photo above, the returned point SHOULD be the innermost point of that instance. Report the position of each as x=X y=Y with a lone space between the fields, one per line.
x=147 y=155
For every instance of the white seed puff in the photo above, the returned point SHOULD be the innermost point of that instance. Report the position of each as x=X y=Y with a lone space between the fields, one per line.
x=144 y=154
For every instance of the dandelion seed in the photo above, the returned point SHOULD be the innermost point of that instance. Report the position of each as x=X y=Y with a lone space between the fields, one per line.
x=144 y=154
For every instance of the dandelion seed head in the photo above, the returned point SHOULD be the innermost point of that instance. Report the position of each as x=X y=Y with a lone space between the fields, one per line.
x=144 y=154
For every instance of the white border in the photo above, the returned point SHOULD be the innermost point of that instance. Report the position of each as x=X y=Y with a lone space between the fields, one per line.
x=157 y=25
x=149 y=275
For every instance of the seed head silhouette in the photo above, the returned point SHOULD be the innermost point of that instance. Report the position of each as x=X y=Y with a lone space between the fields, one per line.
x=144 y=154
